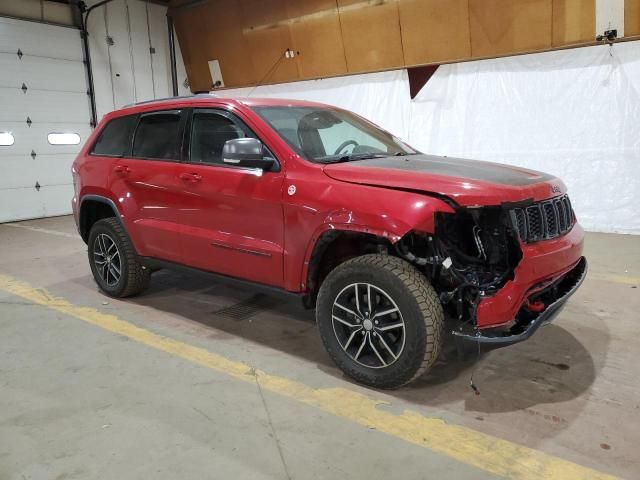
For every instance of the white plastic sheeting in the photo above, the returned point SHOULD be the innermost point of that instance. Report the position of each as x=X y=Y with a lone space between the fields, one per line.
x=574 y=113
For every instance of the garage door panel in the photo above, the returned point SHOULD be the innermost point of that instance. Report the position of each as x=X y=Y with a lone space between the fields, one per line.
x=20 y=204
x=57 y=199
x=22 y=172
x=44 y=107
x=39 y=39
x=34 y=138
x=29 y=203
x=62 y=75
x=55 y=101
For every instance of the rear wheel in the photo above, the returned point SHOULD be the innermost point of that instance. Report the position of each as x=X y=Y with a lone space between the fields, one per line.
x=113 y=261
x=380 y=320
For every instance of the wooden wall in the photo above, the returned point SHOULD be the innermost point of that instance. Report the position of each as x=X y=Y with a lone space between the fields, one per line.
x=631 y=17
x=336 y=37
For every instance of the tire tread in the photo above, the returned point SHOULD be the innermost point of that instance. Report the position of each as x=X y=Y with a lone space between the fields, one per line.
x=425 y=296
x=138 y=277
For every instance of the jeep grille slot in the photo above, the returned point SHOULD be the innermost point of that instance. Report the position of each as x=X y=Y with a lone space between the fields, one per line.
x=544 y=220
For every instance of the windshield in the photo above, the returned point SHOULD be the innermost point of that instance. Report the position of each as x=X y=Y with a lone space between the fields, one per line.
x=328 y=135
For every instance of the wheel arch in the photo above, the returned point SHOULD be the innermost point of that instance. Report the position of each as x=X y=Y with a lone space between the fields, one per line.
x=377 y=229
x=94 y=208
x=334 y=245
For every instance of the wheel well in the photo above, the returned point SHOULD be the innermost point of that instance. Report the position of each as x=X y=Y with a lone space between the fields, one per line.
x=90 y=212
x=333 y=248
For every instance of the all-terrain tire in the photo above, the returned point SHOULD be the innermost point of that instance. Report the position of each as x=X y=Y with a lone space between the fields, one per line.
x=417 y=302
x=134 y=277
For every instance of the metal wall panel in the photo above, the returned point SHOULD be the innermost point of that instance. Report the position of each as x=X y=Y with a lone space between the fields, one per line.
x=121 y=34
x=160 y=42
x=143 y=74
x=120 y=54
x=610 y=16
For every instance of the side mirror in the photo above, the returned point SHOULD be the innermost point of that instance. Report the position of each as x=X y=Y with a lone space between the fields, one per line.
x=246 y=152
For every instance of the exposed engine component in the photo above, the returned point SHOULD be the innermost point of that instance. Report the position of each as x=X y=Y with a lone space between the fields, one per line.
x=472 y=253
x=476 y=236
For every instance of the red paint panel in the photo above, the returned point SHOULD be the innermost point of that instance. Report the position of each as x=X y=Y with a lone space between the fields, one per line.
x=541 y=261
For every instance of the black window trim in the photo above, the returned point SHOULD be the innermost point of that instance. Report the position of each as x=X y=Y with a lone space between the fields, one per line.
x=236 y=120
x=182 y=112
x=130 y=139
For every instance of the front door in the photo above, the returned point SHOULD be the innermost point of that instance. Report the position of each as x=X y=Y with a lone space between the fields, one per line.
x=231 y=217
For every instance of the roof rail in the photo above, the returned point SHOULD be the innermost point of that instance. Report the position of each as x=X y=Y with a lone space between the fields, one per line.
x=170 y=98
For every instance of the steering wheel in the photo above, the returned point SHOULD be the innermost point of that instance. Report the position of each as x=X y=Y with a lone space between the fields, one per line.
x=344 y=145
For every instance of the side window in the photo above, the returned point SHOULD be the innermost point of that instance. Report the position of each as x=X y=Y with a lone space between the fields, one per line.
x=157 y=136
x=114 y=139
x=209 y=132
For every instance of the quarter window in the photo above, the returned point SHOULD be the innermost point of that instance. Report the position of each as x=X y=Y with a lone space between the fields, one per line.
x=157 y=136
x=115 y=137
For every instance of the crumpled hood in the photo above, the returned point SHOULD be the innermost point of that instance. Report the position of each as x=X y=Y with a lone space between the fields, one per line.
x=467 y=182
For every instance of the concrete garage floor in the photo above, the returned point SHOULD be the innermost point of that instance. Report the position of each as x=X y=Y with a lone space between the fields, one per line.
x=197 y=380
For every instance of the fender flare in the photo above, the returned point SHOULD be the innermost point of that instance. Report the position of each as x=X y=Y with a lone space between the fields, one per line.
x=100 y=199
x=328 y=228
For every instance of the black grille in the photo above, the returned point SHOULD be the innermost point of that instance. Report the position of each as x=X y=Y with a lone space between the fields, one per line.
x=544 y=220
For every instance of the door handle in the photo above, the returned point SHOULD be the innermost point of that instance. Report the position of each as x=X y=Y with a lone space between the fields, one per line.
x=190 y=177
x=122 y=170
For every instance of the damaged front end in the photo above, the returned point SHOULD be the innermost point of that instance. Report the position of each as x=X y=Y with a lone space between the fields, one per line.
x=472 y=259
x=472 y=253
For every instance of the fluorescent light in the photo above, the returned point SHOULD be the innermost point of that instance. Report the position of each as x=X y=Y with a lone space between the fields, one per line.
x=6 y=139
x=63 y=138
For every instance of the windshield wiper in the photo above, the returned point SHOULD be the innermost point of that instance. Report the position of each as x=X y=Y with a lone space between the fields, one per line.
x=359 y=156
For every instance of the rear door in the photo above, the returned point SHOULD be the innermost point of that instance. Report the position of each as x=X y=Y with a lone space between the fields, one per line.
x=232 y=217
x=146 y=184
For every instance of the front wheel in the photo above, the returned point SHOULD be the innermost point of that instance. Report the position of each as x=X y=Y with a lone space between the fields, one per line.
x=380 y=320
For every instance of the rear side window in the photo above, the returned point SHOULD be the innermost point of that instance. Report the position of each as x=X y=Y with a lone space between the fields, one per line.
x=157 y=136
x=115 y=137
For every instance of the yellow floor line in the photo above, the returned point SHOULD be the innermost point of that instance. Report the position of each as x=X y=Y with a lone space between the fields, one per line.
x=491 y=454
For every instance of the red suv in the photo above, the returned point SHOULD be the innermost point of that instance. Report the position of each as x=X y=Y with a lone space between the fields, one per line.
x=385 y=242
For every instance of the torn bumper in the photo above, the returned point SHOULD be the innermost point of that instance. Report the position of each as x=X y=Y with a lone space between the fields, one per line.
x=544 y=261
x=521 y=329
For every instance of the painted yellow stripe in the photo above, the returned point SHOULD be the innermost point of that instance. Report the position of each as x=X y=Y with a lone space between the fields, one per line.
x=615 y=278
x=491 y=454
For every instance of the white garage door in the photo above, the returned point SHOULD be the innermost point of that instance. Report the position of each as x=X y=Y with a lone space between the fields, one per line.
x=43 y=91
